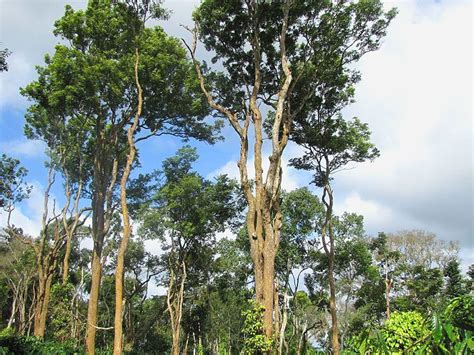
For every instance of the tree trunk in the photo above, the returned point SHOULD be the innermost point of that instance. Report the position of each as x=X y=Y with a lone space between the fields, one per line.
x=41 y=310
x=332 y=307
x=174 y=299
x=263 y=216
x=14 y=306
x=302 y=339
x=119 y=271
x=67 y=255
x=96 y=274
x=284 y=321
x=70 y=229
x=104 y=178
x=328 y=201
x=388 y=287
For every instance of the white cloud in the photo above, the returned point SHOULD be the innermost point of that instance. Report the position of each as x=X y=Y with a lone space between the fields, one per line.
x=23 y=147
x=467 y=258
x=19 y=73
x=416 y=95
x=290 y=178
x=28 y=215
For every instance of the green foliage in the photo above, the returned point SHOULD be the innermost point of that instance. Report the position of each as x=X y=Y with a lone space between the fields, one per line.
x=61 y=312
x=424 y=286
x=302 y=212
x=452 y=330
x=18 y=345
x=255 y=340
x=460 y=311
x=13 y=187
x=86 y=94
x=403 y=330
x=4 y=53
x=335 y=139
x=366 y=341
x=454 y=284
x=323 y=37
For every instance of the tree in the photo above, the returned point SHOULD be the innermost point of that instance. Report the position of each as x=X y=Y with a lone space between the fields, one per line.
x=4 y=53
x=17 y=280
x=279 y=55
x=89 y=85
x=185 y=214
x=419 y=247
x=301 y=212
x=330 y=144
x=387 y=262
x=455 y=285
x=55 y=227
x=13 y=188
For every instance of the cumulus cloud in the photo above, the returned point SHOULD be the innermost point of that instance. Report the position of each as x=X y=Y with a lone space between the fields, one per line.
x=23 y=147
x=28 y=215
x=17 y=19
x=290 y=177
x=416 y=96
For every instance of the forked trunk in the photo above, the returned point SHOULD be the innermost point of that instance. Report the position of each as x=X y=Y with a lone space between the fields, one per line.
x=263 y=215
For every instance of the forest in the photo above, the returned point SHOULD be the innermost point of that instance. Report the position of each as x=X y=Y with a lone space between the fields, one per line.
x=244 y=266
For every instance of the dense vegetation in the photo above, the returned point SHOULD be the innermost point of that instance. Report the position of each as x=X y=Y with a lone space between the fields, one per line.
x=295 y=277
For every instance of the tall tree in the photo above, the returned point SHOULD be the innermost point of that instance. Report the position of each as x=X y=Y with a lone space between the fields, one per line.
x=420 y=247
x=387 y=261
x=90 y=84
x=455 y=285
x=330 y=144
x=276 y=57
x=301 y=211
x=186 y=212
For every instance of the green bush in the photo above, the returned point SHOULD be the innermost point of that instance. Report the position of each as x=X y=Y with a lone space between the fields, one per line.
x=403 y=330
x=255 y=341
x=11 y=344
x=460 y=312
x=61 y=312
x=448 y=332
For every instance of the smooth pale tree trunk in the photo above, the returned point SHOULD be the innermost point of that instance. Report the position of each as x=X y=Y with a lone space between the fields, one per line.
x=119 y=271
x=16 y=291
x=333 y=309
x=102 y=197
x=388 y=287
x=45 y=262
x=302 y=338
x=327 y=229
x=96 y=274
x=70 y=230
x=284 y=321
x=174 y=299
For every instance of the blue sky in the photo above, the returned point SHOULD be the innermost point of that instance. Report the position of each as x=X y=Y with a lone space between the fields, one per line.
x=416 y=95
